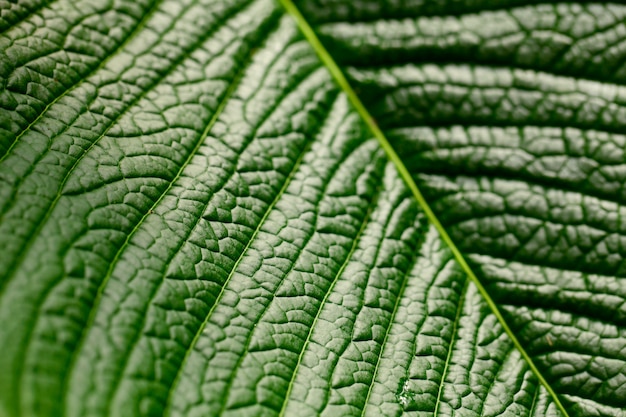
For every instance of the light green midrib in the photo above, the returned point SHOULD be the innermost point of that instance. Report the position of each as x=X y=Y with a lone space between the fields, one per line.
x=339 y=77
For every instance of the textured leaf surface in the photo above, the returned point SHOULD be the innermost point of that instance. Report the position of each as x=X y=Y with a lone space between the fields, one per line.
x=511 y=120
x=197 y=219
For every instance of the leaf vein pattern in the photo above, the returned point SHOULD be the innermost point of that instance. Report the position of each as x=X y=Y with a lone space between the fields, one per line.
x=455 y=328
x=19 y=259
x=353 y=249
x=405 y=279
x=125 y=41
x=190 y=348
x=231 y=89
x=493 y=380
x=269 y=209
x=266 y=308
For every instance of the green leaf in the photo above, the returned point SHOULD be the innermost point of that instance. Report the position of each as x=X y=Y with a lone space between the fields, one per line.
x=264 y=208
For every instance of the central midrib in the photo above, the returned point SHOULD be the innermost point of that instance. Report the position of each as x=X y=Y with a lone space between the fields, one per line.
x=329 y=62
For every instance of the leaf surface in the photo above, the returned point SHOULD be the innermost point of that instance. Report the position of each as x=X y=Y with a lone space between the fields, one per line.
x=200 y=216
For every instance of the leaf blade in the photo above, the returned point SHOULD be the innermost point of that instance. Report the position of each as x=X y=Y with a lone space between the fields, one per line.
x=241 y=245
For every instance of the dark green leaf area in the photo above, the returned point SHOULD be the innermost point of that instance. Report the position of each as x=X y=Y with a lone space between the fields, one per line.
x=562 y=38
x=574 y=324
x=324 y=11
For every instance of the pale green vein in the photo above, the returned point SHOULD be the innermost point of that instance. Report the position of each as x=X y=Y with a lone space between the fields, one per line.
x=340 y=78
x=392 y=319
x=353 y=249
x=534 y=403
x=500 y=370
x=455 y=329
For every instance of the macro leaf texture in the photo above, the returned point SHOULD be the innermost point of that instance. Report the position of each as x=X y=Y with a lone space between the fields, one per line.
x=312 y=207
